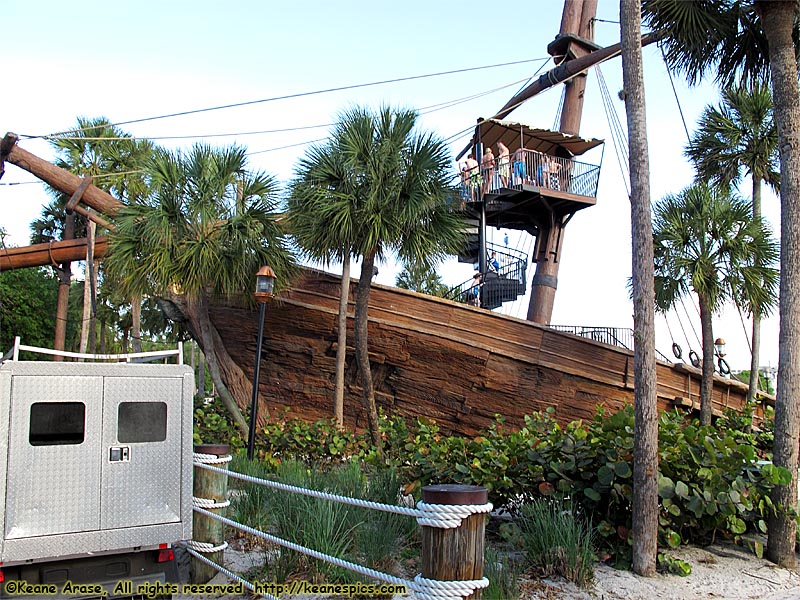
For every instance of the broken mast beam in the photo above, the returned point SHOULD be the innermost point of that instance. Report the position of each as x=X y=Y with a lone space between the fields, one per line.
x=53 y=253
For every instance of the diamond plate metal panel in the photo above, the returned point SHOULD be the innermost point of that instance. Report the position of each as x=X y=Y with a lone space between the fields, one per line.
x=144 y=490
x=53 y=488
x=49 y=491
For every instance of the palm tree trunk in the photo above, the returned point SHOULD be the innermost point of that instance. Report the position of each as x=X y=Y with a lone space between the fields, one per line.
x=362 y=349
x=707 y=383
x=341 y=348
x=209 y=348
x=645 y=429
x=755 y=347
x=64 y=272
x=136 y=323
x=777 y=19
x=86 y=323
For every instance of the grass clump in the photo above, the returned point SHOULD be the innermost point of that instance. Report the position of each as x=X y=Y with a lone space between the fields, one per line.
x=557 y=541
x=503 y=573
x=369 y=537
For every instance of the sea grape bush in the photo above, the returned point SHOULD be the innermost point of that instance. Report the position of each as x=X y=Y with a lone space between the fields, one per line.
x=710 y=483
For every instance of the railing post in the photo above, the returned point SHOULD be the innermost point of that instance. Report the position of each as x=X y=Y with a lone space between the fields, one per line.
x=455 y=554
x=211 y=486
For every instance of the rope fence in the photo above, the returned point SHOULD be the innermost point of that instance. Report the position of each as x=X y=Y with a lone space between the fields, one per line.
x=427 y=514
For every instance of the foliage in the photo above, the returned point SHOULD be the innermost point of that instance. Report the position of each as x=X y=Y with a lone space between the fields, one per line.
x=351 y=533
x=212 y=425
x=710 y=482
x=422 y=279
x=27 y=307
x=503 y=574
x=557 y=541
x=764 y=382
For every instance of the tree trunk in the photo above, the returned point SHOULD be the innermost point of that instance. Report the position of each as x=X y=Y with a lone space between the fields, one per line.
x=777 y=19
x=755 y=347
x=64 y=272
x=86 y=322
x=136 y=323
x=102 y=337
x=645 y=430
x=199 y=308
x=362 y=349
x=341 y=348
x=707 y=383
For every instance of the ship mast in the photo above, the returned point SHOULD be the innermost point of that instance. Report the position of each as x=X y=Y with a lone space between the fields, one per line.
x=577 y=20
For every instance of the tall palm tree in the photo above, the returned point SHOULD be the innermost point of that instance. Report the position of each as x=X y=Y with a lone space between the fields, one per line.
x=321 y=190
x=205 y=230
x=739 y=137
x=707 y=241
x=753 y=39
x=114 y=159
x=423 y=279
x=395 y=199
x=645 y=431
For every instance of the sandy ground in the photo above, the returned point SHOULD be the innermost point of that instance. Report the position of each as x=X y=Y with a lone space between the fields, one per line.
x=718 y=573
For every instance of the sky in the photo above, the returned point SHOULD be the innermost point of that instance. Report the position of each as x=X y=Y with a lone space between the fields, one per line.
x=131 y=61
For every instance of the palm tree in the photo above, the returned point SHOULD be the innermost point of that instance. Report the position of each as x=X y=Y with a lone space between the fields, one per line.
x=740 y=39
x=205 y=230
x=321 y=190
x=98 y=149
x=739 y=136
x=421 y=278
x=707 y=241
x=393 y=197
x=645 y=452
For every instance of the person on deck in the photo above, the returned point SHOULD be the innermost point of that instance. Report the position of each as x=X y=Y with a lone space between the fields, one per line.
x=488 y=168
x=474 y=174
x=475 y=290
x=503 y=163
x=520 y=169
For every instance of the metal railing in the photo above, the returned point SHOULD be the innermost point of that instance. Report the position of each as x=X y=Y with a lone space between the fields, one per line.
x=528 y=167
x=621 y=337
x=502 y=284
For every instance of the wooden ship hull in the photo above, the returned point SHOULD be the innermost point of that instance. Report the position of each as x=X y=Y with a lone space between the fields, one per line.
x=435 y=358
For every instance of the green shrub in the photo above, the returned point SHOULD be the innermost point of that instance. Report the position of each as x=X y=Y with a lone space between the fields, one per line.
x=503 y=574
x=557 y=541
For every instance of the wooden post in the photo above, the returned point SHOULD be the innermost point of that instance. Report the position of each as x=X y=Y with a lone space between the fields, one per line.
x=211 y=486
x=455 y=554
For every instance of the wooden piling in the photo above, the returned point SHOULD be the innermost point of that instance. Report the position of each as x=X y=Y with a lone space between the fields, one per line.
x=455 y=554
x=212 y=486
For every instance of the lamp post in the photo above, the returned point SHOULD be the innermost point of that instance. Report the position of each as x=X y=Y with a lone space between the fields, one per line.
x=265 y=283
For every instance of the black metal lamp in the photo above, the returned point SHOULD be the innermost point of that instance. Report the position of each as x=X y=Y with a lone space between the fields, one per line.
x=265 y=284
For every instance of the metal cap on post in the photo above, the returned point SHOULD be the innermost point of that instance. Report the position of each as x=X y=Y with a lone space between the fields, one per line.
x=455 y=554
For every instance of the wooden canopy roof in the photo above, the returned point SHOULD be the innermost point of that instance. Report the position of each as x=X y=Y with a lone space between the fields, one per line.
x=514 y=135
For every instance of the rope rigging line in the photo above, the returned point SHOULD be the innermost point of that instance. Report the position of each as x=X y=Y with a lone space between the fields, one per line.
x=675 y=92
x=618 y=136
x=689 y=318
x=557 y=118
x=312 y=93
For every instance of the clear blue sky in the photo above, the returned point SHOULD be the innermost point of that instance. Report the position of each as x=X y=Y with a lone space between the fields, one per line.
x=129 y=61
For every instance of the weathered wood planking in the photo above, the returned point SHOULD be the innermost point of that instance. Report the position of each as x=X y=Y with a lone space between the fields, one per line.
x=457 y=364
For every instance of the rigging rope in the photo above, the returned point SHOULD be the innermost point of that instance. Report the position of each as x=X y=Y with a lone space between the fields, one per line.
x=618 y=135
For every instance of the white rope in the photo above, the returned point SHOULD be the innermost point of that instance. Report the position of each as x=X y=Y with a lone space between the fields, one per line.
x=211 y=459
x=209 y=503
x=307 y=551
x=444 y=516
x=433 y=589
x=205 y=547
x=227 y=573
x=448 y=516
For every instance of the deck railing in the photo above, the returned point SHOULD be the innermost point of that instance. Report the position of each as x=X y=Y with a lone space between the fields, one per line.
x=531 y=168
x=613 y=336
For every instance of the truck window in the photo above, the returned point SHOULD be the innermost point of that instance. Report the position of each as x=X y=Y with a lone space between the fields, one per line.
x=57 y=423
x=142 y=422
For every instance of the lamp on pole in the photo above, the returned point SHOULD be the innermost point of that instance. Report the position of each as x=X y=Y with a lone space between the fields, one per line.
x=265 y=283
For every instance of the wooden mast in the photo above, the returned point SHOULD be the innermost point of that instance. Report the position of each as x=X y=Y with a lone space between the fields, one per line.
x=577 y=19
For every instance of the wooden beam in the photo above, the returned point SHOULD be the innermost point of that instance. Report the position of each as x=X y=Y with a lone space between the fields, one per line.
x=62 y=180
x=76 y=196
x=39 y=255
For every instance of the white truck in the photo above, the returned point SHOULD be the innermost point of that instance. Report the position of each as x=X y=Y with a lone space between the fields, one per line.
x=95 y=474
